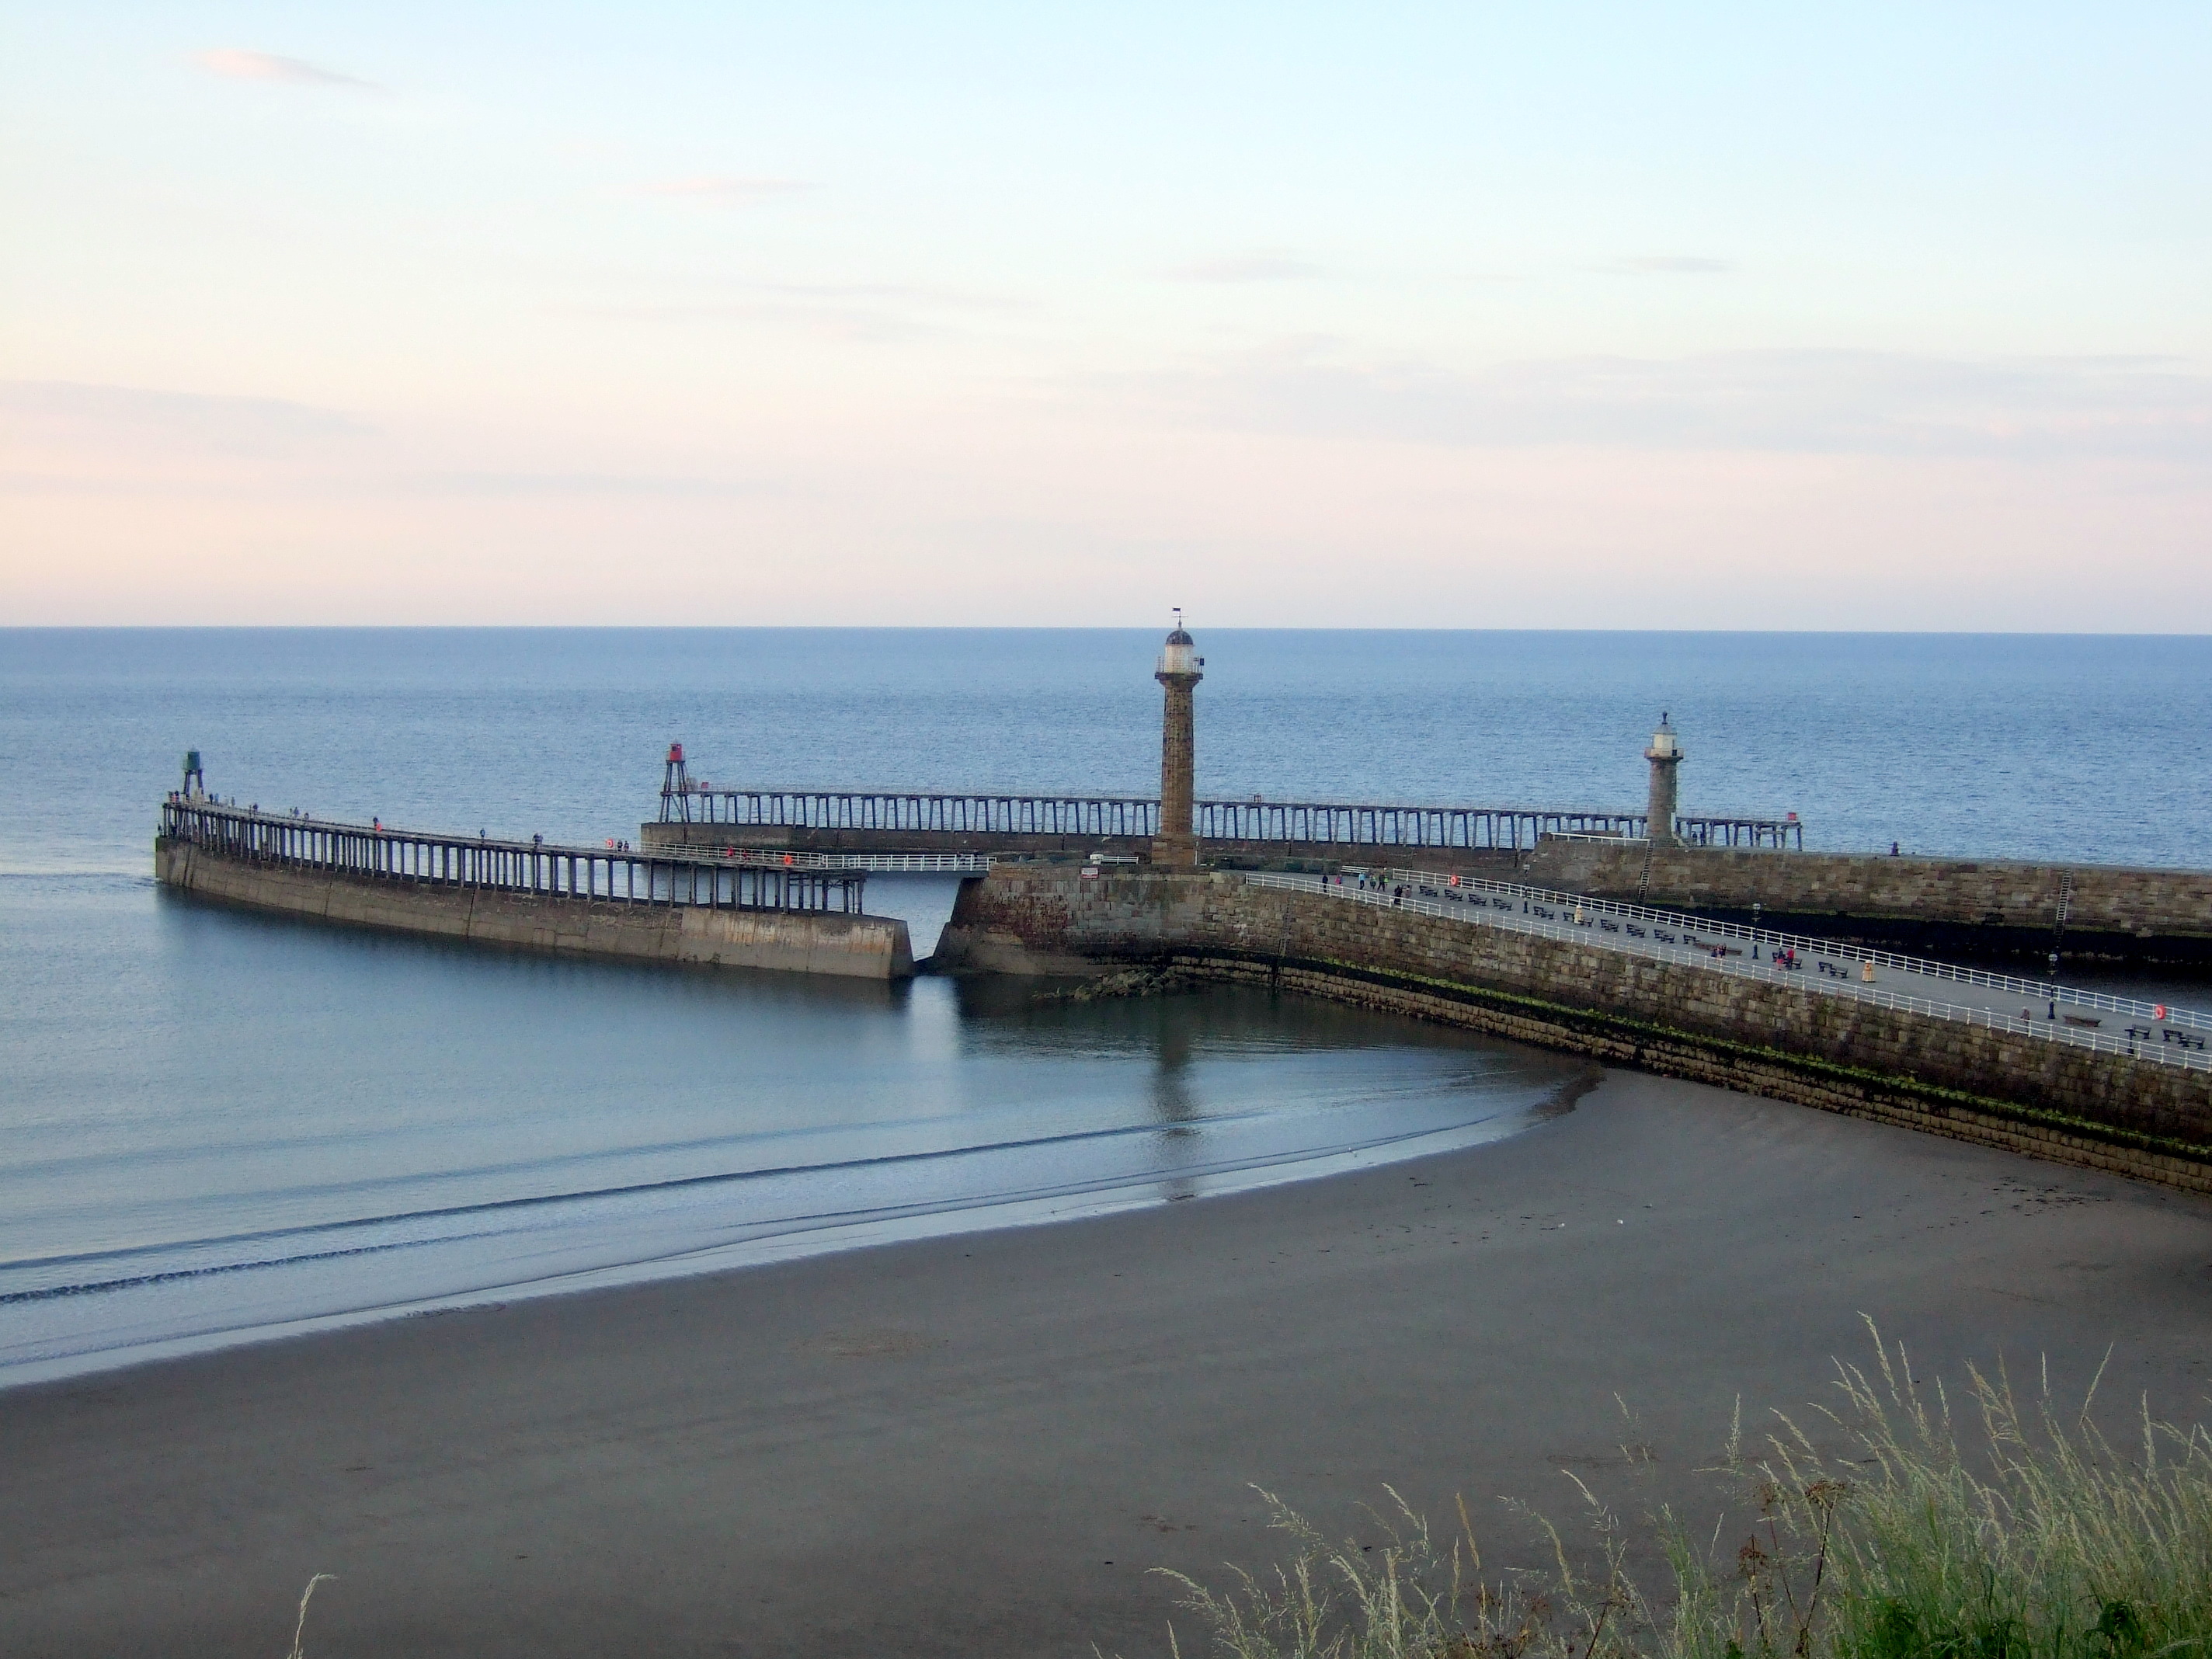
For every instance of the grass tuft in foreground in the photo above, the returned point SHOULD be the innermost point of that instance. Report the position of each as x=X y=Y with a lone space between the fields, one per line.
x=2030 y=1537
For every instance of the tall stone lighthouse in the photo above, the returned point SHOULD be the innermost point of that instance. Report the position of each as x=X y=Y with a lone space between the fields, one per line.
x=1178 y=673
x=1665 y=755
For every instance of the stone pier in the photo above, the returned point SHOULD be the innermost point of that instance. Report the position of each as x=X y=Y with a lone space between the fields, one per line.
x=660 y=925
x=1976 y=907
x=2072 y=1104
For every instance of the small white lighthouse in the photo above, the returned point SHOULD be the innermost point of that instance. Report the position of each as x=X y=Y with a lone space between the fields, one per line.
x=1665 y=755
x=1181 y=669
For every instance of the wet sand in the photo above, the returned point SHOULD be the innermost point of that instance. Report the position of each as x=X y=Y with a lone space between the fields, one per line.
x=978 y=1445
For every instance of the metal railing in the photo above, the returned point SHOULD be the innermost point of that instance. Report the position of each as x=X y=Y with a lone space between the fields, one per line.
x=1704 y=830
x=899 y=811
x=605 y=875
x=769 y=858
x=2036 y=990
x=1692 y=957
x=1321 y=823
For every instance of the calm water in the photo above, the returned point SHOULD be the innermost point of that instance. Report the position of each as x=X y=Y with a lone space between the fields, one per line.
x=214 y=1124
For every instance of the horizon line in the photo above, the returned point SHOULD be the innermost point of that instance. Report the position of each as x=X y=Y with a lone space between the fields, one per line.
x=1057 y=628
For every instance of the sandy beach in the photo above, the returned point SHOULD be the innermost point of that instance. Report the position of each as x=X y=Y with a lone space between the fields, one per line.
x=979 y=1445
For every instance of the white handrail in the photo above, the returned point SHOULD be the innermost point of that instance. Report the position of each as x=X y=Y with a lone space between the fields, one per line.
x=2193 y=1060
x=2035 y=990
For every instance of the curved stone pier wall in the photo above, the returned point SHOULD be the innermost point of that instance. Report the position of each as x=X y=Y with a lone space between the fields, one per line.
x=790 y=941
x=1934 y=907
x=2162 y=915
x=2001 y=1088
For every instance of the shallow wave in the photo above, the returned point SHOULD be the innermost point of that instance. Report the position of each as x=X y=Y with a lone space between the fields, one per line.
x=617 y=1234
x=231 y=1127
x=548 y=1200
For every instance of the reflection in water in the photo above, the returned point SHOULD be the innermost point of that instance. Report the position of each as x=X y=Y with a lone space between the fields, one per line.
x=1341 y=1070
x=1172 y=1102
x=221 y=1123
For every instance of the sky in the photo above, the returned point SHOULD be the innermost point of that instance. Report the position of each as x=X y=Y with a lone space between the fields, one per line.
x=1880 y=317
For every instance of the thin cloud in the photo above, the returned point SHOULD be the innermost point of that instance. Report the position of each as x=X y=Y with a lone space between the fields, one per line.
x=731 y=189
x=1669 y=265
x=1807 y=401
x=824 y=321
x=233 y=63
x=838 y=311
x=919 y=293
x=555 y=485
x=1265 y=265
x=822 y=317
x=77 y=412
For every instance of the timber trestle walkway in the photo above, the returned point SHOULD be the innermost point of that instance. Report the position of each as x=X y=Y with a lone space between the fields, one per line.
x=1134 y=818
x=536 y=868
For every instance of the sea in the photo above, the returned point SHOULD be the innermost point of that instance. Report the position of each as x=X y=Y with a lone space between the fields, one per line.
x=219 y=1127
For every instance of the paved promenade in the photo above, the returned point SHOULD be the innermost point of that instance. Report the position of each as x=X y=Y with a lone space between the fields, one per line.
x=2093 y=1019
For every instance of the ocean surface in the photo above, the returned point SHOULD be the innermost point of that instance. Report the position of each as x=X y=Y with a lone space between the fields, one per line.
x=216 y=1127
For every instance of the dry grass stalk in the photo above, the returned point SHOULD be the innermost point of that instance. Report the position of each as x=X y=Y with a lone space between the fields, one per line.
x=2037 y=1539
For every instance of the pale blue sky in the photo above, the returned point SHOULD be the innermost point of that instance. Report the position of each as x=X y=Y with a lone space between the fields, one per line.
x=1714 y=316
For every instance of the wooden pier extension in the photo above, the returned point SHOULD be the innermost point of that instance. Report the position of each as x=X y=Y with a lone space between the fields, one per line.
x=891 y=821
x=649 y=906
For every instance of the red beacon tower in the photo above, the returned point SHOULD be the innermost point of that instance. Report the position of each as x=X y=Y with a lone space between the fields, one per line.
x=675 y=787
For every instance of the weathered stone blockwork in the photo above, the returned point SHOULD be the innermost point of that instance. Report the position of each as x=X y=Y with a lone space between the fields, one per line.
x=2002 y=1088
x=2107 y=904
x=793 y=941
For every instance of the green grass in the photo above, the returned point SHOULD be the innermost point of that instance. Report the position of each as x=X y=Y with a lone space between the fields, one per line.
x=2026 y=1535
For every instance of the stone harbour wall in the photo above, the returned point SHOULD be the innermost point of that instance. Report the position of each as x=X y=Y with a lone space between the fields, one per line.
x=1939 y=905
x=2107 y=901
x=790 y=941
x=2001 y=1088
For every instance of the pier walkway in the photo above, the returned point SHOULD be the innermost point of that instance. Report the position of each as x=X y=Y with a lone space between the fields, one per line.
x=862 y=820
x=535 y=868
x=882 y=863
x=607 y=901
x=2088 y=1019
